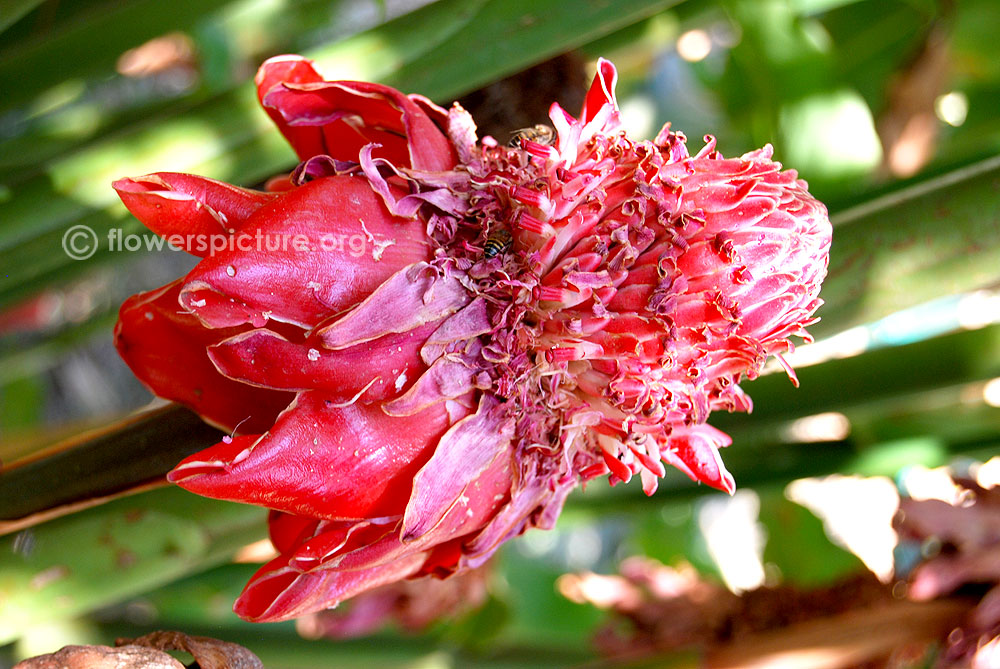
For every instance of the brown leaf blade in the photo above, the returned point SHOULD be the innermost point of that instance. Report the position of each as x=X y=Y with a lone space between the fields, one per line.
x=208 y=653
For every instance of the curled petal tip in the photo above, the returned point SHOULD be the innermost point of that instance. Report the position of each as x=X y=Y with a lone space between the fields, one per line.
x=338 y=118
x=278 y=592
x=216 y=459
x=284 y=58
x=190 y=212
x=127 y=184
x=602 y=91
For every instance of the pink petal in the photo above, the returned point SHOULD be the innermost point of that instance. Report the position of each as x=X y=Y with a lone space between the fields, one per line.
x=314 y=251
x=411 y=298
x=480 y=500
x=193 y=213
x=382 y=367
x=352 y=114
x=535 y=499
x=321 y=460
x=306 y=140
x=602 y=90
x=468 y=323
x=279 y=592
x=338 y=536
x=463 y=453
x=446 y=379
x=618 y=468
x=695 y=451
x=165 y=348
x=287 y=530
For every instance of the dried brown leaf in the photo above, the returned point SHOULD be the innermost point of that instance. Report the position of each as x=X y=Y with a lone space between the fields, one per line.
x=208 y=653
x=102 y=657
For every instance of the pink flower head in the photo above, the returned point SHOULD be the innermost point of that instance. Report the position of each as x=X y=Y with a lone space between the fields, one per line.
x=512 y=321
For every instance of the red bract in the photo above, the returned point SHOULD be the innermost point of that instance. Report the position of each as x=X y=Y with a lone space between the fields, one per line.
x=457 y=333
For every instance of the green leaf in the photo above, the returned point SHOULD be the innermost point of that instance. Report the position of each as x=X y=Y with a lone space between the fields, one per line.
x=11 y=11
x=90 y=45
x=953 y=414
x=936 y=238
x=798 y=545
x=106 y=554
x=201 y=600
x=872 y=40
x=105 y=462
x=20 y=404
x=519 y=33
x=544 y=618
x=668 y=532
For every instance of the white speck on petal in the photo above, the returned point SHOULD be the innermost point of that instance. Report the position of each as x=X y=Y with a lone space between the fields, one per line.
x=401 y=381
x=199 y=303
x=378 y=247
x=231 y=271
x=313 y=355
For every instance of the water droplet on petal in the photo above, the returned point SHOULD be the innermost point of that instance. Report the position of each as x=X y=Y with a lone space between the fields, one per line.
x=231 y=271
x=313 y=355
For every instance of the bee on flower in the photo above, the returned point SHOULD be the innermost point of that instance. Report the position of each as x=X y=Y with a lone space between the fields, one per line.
x=405 y=413
x=499 y=241
x=539 y=133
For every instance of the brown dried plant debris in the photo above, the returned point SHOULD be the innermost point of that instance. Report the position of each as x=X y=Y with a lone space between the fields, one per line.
x=147 y=652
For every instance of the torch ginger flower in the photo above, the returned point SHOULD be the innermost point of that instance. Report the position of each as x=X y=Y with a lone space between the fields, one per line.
x=405 y=411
